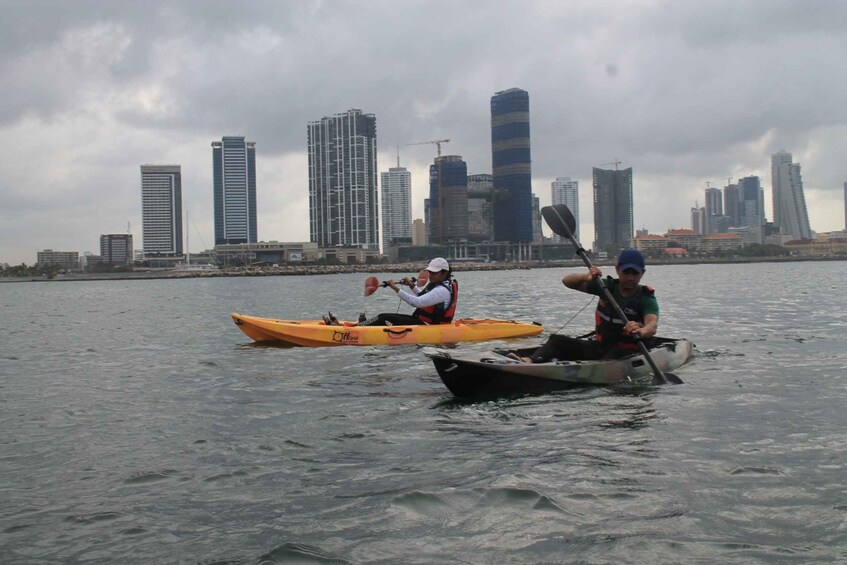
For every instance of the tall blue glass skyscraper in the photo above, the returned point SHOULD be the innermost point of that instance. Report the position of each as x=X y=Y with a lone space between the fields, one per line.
x=511 y=166
x=234 y=162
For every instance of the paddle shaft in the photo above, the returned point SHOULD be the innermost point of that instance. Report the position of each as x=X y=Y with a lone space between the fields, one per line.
x=641 y=346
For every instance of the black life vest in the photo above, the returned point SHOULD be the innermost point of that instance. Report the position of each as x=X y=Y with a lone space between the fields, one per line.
x=608 y=326
x=437 y=314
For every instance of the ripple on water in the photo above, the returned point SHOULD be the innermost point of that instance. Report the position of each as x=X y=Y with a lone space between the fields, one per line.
x=150 y=477
x=298 y=553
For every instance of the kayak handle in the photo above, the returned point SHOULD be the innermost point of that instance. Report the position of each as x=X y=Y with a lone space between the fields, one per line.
x=395 y=333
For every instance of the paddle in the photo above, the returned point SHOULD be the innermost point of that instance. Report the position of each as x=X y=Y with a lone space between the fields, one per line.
x=372 y=283
x=562 y=222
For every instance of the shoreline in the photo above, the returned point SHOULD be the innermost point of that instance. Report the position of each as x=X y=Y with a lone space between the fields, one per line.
x=310 y=270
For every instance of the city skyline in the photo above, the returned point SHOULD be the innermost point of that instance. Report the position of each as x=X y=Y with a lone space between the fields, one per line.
x=154 y=83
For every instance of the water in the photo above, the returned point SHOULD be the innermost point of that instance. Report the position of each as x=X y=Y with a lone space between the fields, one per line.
x=140 y=426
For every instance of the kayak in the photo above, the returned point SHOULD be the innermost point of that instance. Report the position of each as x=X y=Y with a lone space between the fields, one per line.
x=315 y=333
x=492 y=372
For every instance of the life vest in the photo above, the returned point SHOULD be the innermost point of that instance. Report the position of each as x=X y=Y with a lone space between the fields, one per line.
x=436 y=314
x=609 y=326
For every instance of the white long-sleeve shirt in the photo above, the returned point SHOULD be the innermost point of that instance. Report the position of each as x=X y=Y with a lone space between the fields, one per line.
x=434 y=296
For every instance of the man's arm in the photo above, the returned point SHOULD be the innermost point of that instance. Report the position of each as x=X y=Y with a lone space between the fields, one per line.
x=579 y=281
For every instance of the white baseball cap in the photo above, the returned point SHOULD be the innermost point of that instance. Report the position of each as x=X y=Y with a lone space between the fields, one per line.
x=437 y=265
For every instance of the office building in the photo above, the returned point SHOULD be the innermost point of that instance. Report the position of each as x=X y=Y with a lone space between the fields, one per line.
x=448 y=200
x=698 y=214
x=714 y=210
x=418 y=232
x=731 y=204
x=343 y=205
x=789 y=201
x=67 y=260
x=566 y=191
x=613 y=210
x=116 y=248
x=537 y=234
x=234 y=168
x=512 y=170
x=480 y=207
x=396 y=206
x=751 y=208
x=161 y=210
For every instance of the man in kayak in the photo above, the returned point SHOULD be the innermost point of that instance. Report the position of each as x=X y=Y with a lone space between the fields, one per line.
x=434 y=303
x=612 y=339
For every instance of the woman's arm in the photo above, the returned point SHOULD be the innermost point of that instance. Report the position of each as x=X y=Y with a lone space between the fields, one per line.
x=438 y=295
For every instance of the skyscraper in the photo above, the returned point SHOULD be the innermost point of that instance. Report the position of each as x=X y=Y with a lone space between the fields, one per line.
x=448 y=200
x=480 y=189
x=714 y=211
x=789 y=201
x=396 y=206
x=234 y=167
x=613 y=221
x=751 y=202
x=845 y=206
x=731 y=204
x=511 y=161
x=161 y=210
x=342 y=180
x=566 y=191
x=697 y=214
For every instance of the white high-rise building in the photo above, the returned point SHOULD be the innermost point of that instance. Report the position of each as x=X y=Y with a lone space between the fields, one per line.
x=789 y=201
x=161 y=210
x=566 y=191
x=343 y=203
x=396 y=206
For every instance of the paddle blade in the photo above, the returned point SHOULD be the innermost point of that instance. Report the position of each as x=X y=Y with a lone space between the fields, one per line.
x=671 y=379
x=371 y=284
x=560 y=219
x=423 y=278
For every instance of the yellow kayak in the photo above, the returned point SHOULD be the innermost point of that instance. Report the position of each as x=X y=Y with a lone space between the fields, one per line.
x=315 y=333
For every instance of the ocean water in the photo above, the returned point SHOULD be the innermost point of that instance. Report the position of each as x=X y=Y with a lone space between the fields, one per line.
x=139 y=425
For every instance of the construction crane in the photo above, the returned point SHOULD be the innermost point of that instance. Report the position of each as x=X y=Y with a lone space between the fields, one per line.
x=437 y=142
x=615 y=163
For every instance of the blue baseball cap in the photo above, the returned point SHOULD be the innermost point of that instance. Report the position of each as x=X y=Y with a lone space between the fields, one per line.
x=631 y=259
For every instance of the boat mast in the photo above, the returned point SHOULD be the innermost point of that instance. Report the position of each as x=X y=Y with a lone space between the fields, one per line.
x=187 y=251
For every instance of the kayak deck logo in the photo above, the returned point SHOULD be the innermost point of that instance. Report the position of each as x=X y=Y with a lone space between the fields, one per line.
x=345 y=337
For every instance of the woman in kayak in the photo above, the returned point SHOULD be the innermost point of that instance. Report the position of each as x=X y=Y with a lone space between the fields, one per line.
x=434 y=303
x=612 y=339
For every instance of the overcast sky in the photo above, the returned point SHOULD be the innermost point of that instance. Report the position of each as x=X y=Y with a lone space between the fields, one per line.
x=683 y=92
